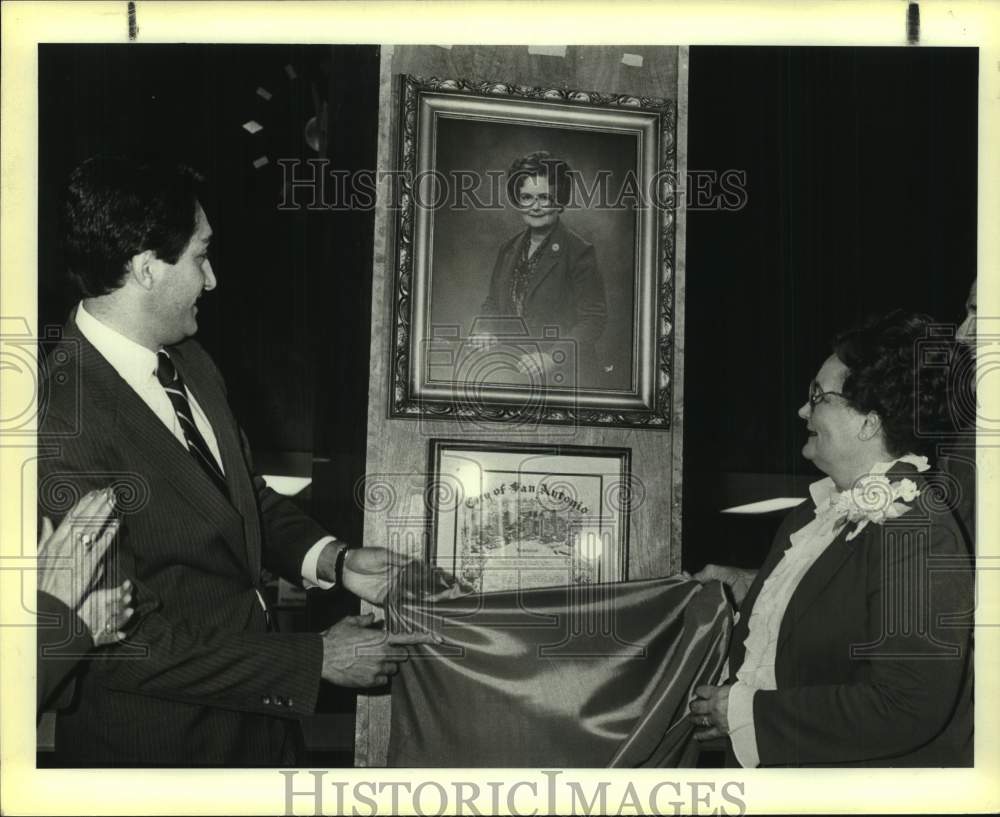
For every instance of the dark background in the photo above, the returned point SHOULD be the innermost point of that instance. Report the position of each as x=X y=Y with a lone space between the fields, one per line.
x=861 y=196
x=861 y=177
x=289 y=321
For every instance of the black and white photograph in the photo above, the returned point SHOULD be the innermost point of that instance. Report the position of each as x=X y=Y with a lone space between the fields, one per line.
x=535 y=252
x=431 y=419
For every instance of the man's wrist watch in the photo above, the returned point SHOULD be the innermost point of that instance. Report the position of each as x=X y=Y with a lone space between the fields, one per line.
x=338 y=566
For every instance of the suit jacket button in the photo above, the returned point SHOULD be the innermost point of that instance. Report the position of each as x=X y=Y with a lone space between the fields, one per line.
x=266 y=700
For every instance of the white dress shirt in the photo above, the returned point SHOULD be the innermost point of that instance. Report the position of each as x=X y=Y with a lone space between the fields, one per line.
x=761 y=645
x=136 y=365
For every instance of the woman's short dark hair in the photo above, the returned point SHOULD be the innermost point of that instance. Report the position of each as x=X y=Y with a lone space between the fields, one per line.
x=541 y=163
x=888 y=376
x=116 y=208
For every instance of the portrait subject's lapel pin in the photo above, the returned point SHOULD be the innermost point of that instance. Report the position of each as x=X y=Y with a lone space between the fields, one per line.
x=555 y=248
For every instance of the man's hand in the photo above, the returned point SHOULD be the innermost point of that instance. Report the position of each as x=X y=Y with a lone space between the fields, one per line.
x=710 y=711
x=738 y=579
x=357 y=654
x=369 y=572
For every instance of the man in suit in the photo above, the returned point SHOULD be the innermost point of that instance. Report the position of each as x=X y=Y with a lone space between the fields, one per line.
x=204 y=678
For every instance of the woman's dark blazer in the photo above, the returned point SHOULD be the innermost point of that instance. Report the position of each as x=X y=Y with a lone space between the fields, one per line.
x=63 y=640
x=874 y=658
x=566 y=291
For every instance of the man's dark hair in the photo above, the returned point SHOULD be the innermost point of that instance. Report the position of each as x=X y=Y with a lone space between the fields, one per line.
x=116 y=208
x=540 y=163
x=887 y=376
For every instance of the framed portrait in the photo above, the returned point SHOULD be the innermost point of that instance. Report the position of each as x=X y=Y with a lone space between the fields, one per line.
x=534 y=255
x=506 y=516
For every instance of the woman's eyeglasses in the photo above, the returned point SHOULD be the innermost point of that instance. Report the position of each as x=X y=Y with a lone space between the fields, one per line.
x=817 y=395
x=527 y=200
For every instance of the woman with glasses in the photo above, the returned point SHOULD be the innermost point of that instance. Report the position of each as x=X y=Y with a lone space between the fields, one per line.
x=853 y=642
x=546 y=279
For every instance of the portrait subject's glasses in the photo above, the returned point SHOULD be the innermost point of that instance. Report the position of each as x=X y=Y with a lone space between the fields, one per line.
x=527 y=200
x=817 y=395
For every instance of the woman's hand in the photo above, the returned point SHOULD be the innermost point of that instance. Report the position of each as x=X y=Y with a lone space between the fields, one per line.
x=738 y=579
x=106 y=612
x=709 y=712
x=69 y=557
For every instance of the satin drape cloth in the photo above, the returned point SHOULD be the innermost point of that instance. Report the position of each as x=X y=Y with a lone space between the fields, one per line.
x=581 y=676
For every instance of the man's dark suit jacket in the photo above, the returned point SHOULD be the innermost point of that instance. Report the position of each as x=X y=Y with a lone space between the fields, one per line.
x=201 y=680
x=566 y=292
x=904 y=698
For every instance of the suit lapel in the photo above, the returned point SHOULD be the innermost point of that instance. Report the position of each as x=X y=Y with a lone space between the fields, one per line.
x=835 y=557
x=765 y=570
x=555 y=246
x=801 y=516
x=816 y=579
x=504 y=281
x=207 y=390
x=740 y=631
x=150 y=438
x=822 y=572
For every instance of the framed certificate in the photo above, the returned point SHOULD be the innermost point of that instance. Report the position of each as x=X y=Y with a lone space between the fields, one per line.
x=507 y=516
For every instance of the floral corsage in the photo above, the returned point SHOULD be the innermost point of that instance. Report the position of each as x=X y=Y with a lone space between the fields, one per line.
x=873 y=498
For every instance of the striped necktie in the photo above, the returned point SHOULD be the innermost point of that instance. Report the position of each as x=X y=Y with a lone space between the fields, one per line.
x=173 y=385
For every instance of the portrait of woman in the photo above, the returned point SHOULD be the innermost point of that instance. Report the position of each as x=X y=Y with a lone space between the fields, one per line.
x=851 y=648
x=567 y=320
x=547 y=276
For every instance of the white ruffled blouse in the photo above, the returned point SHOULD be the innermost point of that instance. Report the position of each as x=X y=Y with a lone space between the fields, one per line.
x=834 y=510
